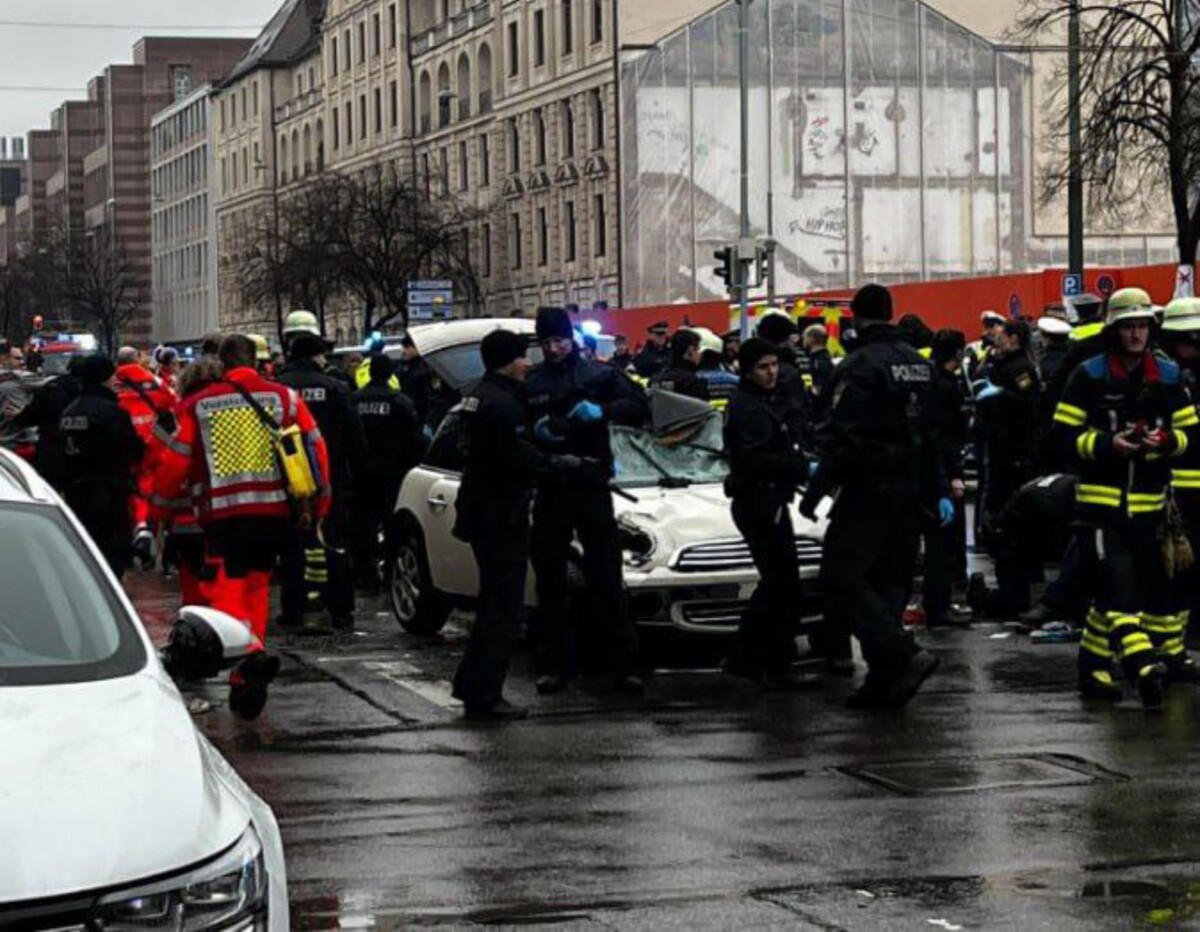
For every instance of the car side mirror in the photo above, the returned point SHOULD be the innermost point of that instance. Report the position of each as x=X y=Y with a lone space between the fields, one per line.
x=205 y=640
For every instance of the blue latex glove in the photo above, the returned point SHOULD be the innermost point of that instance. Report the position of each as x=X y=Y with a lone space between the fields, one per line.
x=946 y=512
x=586 y=411
x=543 y=431
x=988 y=391
x=813 y=466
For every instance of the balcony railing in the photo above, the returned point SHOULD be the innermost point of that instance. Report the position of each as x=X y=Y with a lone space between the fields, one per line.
x=459 y=25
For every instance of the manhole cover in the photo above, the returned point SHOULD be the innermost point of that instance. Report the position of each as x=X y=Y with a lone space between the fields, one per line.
x=975 y=774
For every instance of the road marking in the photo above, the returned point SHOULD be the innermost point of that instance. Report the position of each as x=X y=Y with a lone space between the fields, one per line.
x=436 y=692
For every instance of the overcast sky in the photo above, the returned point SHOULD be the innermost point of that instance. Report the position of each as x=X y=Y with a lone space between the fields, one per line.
x=68 y=57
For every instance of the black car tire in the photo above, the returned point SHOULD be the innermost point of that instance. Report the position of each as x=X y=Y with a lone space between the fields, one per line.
x=418 y=606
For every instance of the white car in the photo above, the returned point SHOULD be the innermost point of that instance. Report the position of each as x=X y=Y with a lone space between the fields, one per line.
x=687 y=569
x=115 y=812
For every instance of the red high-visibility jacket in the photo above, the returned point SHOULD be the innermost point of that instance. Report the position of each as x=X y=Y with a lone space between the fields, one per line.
x=144 y=406
x=226 y=455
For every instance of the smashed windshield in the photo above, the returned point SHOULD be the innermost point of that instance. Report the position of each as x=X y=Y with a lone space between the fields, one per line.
x=690 y=457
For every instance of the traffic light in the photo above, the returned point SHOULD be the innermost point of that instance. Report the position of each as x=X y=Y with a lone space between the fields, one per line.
x=728 y=266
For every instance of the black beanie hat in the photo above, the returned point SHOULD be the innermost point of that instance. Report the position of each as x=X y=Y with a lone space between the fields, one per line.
x=554 y=322
x=776 y=328
x=872 y=302
x=381 y=368
x=96 y=369
x=500 y=347
x=752 y=352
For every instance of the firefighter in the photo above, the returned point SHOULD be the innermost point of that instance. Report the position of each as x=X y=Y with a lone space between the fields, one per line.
x=225 y=453
x=395 y=444
x=880 y=448
x=493 y=505
x=572 y=404
x=654 y=355
x=149 y=403
x=1181 y=338
x=721 y=382
x=680 y=374
x=100 y=453
x=319 y=565
x=767 y=464
x=1125 y=418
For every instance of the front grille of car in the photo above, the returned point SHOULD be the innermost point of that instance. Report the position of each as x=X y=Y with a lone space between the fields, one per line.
x=734 y=554
x=713 y=614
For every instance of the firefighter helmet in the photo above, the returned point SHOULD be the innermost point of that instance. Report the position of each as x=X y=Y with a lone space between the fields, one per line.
x=1129 y=304
x=301 y=321
x=1182 y=314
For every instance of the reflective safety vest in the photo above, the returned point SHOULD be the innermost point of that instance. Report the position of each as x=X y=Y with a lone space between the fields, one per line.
x=362 y=377
x=226 y=455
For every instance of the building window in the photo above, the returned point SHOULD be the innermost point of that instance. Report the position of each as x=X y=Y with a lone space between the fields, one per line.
x=333 y=58
x=346 y=56
x=254 y=97
x=362 y=42
x=243 y=96
x=425 y=172
x=222 y=114
x=181 y=80
x=543 y=237
x=349 y=123
x=378 y=110
x=568 y=29
x=597 y=21
x=464 y=168
x=568 y=130
x=514 y=61
x=335 y=129
x=597 y=119
x=245 y=166
x=569 y=231
x=375 y=27
x=539 y=138
x=391 y=26
x=224 y=174
x=485 y=160
x=394 y=105
x=515 y=246
x=514 y=147
x=362 y=116
x=539 y=38
x=601 y=221
x=485 y=234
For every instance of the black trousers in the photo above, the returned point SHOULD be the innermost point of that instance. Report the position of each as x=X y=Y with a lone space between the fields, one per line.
x=867 y=569
x=103 y=509
x=587 y=514
x=770 y=623
x=501 y=551
x=311 y=569
x=939 y=567
x=374 y=501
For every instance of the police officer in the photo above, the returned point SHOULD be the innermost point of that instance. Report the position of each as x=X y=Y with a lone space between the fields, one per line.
x=1124 y=417
x=395 y=444
x=621 y=359
x=572 y=403
x=679 y=375
x=766 y=462
x=879 y=447
x=655 y=355
x=795 y=373
x=44 y=413
x=100 y=452
x=815 y=343
x=720 y=381
x=319 y=564
x=493 y=516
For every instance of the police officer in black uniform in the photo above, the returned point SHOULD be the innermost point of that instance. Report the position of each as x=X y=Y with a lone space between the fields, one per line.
x=762 y=439
x=795 y=370
x=99 y=450
x=493 y=505
x=655 y=355
x=572 y=403
x=319 y=563
x=679 y=375
x=44 y=412
x=815 y=343
x=395 y=444
x=879 y=447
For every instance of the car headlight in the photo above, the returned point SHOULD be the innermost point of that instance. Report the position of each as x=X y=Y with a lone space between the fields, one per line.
x=229 y=892
x=638 y=542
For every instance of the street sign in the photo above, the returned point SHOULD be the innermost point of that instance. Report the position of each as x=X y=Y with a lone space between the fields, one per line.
x=433 y=285
x=1106 y=285
x=1014 y=306
x=1184 y=281
x=430 y=299
x=1072 y=286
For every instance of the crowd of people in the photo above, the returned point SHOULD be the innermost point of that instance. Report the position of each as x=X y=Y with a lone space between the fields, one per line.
x=1082 y=433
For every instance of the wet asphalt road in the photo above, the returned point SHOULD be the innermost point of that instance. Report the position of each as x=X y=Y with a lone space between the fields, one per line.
x=998 y=800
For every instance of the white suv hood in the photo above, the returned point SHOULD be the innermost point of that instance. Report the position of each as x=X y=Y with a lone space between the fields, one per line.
x=104 y=784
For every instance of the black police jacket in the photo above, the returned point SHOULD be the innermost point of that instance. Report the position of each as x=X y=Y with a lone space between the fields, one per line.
x=1009 y=419
x=651 y=360
x=680 y=377
x=328 y=399
x=554 y=389
x=502 y=464
x=1085 y=341
x=44 y=412
x=822 y=369
x=763 y=433
x=951 y=419
x=795 y=381
x=395 y=441
x=881 y=434
x=97 y=441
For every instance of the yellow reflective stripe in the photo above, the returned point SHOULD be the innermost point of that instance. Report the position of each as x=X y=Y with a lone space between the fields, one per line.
x=1086 y=331
x=1185 y=417
x=1085 y=443
x=1146 y=509
x=1147 y=496
x=1098 y=495
x=1181 y=443
x=1096 y=644
x=1174 y=646
x=1157 y=625
x=1134 y=644
x=1069 y=415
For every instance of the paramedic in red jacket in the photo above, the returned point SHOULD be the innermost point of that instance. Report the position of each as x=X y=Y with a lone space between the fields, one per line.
x=225 y=453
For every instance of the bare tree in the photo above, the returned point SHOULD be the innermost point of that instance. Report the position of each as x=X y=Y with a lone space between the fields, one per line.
x=1140 y=101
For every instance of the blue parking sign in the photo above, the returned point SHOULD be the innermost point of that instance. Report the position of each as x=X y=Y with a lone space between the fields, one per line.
x=1072 y=286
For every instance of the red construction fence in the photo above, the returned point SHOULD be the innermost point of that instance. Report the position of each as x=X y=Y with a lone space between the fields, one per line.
x=953 y=303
